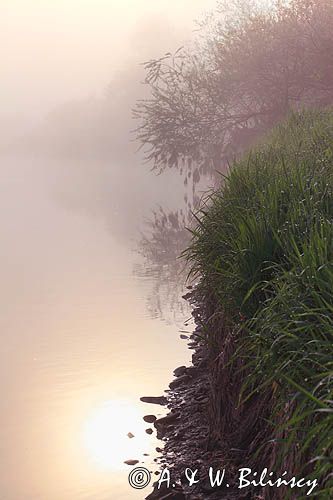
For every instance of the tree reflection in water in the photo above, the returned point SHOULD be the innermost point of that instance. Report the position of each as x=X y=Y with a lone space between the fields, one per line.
x=160 y=248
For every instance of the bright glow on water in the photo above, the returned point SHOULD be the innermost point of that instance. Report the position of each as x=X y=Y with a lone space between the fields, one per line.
x=105 y=434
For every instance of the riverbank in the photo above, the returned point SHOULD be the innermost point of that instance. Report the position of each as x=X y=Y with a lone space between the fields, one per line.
x=259 y=394
x=185 y=430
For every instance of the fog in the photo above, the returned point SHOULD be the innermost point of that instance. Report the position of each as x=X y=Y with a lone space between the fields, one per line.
x=91 y=284
x=53 y=52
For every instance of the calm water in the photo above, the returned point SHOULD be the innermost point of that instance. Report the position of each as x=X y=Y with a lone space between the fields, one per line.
x=79 y=344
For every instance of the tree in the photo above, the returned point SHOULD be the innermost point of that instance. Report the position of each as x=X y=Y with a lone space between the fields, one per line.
x=248 y=67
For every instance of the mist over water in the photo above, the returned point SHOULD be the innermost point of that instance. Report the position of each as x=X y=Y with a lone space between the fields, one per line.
x=76 y=331
x=90 y=291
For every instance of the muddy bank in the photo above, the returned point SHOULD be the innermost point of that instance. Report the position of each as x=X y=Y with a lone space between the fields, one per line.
x=206 y=429
x=186 y=433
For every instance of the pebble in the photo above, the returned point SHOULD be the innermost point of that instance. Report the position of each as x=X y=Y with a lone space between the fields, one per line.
x=192 y=370
x=156 y=400
x=150 y=419
x=179 y=381
x=168 y=419
x=178 y=372
x=131 y=462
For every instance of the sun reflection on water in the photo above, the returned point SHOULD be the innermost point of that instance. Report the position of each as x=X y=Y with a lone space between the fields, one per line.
x=105 y=434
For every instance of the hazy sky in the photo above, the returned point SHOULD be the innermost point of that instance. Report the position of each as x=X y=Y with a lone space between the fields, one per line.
x=53 y=50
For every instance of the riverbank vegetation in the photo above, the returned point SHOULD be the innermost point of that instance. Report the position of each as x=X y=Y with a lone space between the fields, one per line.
x=262 y=247
x=246 y=69
x=263 y=250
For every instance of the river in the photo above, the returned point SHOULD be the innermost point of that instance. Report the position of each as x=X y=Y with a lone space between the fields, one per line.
x=87 y=327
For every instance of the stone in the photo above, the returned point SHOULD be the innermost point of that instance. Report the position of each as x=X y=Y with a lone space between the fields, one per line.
x=179 y=381
x=168 y=419
x=178 y=372
x=159 y=400
x=150 y=419
x=131 y=462
x=192 y=371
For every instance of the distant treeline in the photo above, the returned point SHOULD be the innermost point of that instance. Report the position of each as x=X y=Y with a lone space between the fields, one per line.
x=94 y=126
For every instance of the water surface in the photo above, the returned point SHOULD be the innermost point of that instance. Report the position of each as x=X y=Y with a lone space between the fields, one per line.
x=79 y=344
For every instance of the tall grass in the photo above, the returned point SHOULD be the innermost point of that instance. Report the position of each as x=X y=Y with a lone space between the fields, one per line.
x=263 y=249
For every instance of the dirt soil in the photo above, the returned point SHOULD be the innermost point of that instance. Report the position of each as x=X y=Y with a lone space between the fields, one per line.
x=185 y=433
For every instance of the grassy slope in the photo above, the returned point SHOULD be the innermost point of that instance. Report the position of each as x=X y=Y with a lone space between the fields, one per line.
x=263 y=249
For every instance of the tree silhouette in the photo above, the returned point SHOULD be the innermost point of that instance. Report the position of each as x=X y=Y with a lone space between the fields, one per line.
x=247 y=69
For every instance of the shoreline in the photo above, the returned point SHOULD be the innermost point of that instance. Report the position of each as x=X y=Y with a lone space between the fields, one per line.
x=185 y=430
